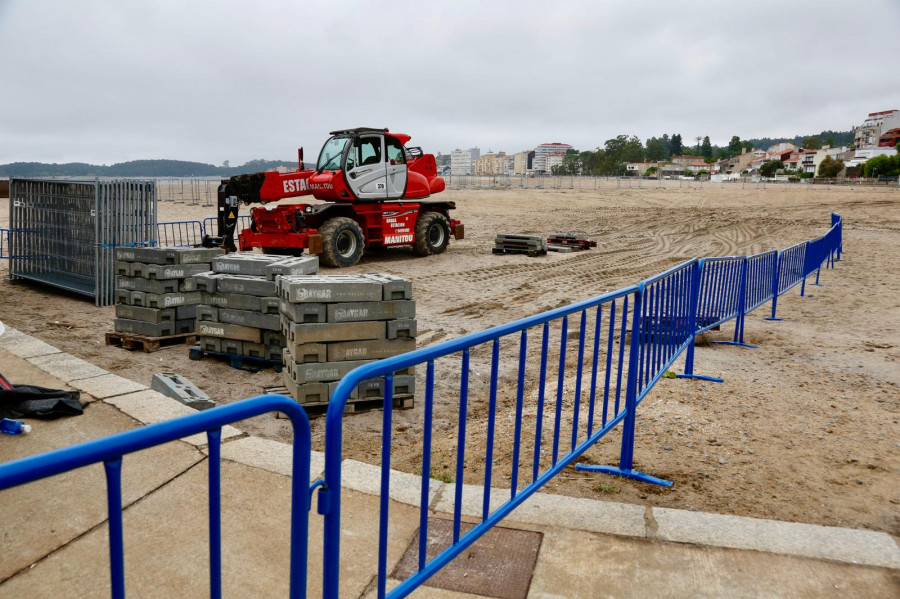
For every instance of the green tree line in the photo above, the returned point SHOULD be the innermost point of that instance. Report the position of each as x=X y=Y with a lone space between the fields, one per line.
x=610 y=160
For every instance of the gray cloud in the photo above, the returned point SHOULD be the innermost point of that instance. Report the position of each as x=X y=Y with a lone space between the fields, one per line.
x=111 y=81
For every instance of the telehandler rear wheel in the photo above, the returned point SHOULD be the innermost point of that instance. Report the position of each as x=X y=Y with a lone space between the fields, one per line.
x=342 y=242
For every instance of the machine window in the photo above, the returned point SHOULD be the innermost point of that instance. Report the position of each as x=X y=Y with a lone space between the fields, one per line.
x=331 y=153
x=395 y=153
x=369 y=150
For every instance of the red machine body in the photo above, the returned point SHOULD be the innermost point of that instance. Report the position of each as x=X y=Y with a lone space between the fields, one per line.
x=364 y=177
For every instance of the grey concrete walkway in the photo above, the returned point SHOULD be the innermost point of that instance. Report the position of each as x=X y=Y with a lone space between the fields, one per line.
x=54 y=532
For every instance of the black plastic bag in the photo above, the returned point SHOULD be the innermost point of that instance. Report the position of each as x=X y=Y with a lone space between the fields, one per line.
x=31 y=401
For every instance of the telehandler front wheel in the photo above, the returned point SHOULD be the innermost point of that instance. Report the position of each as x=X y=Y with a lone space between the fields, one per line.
x=342 y=242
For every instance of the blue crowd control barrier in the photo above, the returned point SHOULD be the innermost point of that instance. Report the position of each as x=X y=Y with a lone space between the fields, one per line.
x=4 y=244
x=560 y=424
x=664 y=326
x=110 y=450
x=667 y=312
x=179 y=233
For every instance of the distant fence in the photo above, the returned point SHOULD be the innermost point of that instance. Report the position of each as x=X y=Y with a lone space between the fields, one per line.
x=601 y=357
x=564 y=182
x=110 y=451
x=183 y=233
x=192 y=191
x=192 y=232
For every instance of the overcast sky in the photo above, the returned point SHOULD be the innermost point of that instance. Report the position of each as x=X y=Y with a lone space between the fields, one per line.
x=106 y=82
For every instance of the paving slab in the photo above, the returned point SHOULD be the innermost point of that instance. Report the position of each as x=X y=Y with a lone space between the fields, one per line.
x=405 y=488
x=107 y=385
x=791 y=538
x=66 y=368
x=255 y=534
x=51 y=512
x=151 y=406
x=273 y=456
x=20 y=371
x=552 y=510
x=22 y=345
x=575 y=564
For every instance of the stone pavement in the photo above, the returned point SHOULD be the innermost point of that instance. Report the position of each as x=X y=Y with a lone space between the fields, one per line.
x=54 y=532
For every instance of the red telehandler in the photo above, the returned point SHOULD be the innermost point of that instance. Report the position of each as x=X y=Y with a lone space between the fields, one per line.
x=375 y=190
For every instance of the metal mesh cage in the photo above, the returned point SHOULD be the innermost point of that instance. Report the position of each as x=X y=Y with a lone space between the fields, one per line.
x=62 y=232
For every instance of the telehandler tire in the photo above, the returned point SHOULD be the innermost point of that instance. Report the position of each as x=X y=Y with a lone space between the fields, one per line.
x=432 y=234
x=343 y=243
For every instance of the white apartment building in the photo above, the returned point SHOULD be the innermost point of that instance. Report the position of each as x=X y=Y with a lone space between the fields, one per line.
x=861 y=156
x=539 y=164
x=874 y=126
x=462 y=162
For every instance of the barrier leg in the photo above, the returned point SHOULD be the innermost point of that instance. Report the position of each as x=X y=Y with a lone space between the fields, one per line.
x=738 y=335
x=689 y=367
x=818 y=270
x=626 y=458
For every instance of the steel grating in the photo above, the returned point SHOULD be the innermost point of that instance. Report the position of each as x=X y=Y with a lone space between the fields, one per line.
x=499 y=564
x=63 y=232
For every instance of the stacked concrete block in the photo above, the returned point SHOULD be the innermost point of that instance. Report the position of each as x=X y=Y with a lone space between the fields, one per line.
x=239 y=313
x=333 y=324
x=155 y=296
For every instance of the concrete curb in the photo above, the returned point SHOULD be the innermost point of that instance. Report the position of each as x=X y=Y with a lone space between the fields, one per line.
x=860 y=547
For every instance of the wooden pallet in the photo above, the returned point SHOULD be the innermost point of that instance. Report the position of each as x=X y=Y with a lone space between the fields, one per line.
x=577 y=242
x=354 y=406
x=130 y=341
x=248 y=363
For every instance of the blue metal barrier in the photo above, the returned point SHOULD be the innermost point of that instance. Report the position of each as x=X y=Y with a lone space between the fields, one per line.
x=4 y=244
x=664 y=326
x=599 y=356
x=110 y=451
x=667 y=312
x=183 y=233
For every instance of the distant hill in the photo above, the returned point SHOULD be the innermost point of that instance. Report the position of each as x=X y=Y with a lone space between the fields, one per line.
x=841 y=138
x=139 y=168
